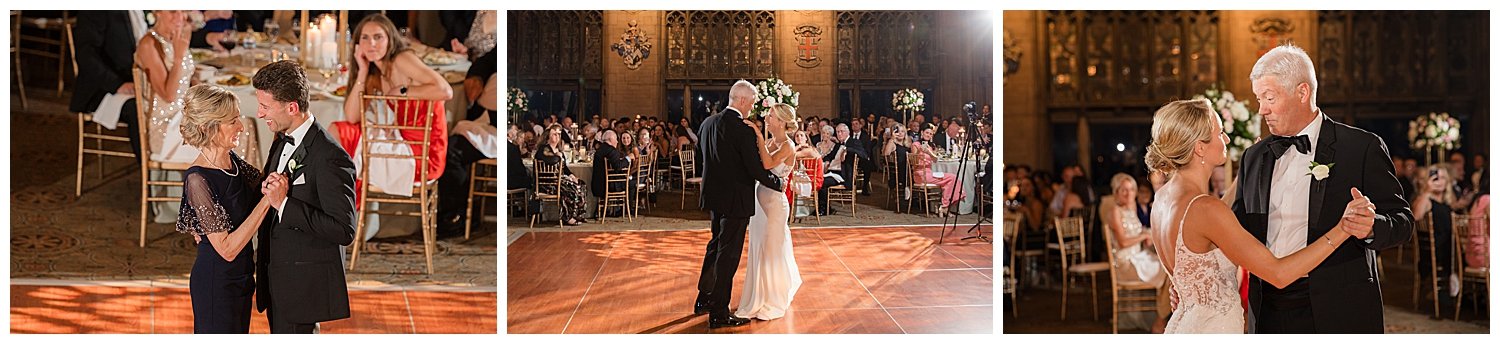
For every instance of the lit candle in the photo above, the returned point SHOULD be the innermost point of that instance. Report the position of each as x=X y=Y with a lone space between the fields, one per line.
x=328 y=54
x=314 y=35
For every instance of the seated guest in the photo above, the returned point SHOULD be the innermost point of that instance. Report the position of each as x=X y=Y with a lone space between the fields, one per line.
x=628 y=144
x=518 y=177
x=105 y=44
x=859 y=135
x=898 y=147
x=1134 y=255
x=921 y=172
x=1435 y=198
x=840 y=164
x=384 y=65
x=550 y=152
x=216 y=25
x=163 y=55
x=607 y=158
x=824 y=146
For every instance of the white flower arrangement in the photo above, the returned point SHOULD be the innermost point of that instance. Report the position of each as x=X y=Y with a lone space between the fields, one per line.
x=516 y=102
x=770 y=92
x=1242 y=128
x=908 y=99
x=1434 y=130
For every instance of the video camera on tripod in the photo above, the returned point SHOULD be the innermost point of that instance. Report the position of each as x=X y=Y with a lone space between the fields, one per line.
x=967 y=154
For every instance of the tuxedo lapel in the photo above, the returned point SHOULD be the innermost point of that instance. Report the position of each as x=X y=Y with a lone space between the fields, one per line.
x=1324 y=156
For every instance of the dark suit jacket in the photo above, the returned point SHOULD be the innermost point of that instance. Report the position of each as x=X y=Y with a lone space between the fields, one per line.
x=731 y=165
x=607 y=158
x=518 y=177
x=1345 y=288
x=847 y=166
x=299 y=269
x=105 y=52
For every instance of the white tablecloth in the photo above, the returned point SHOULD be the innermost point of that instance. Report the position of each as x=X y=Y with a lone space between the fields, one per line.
x=966 y=180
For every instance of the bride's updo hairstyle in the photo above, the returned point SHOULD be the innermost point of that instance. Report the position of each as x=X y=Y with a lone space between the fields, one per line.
x=787 y=115
x=1175 y=128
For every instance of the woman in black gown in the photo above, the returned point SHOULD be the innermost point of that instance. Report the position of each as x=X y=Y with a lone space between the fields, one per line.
x=222 y=207
x=550 y=152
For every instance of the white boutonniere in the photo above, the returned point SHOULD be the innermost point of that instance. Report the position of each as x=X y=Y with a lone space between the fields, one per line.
x=1319 y=171
x=292 y=165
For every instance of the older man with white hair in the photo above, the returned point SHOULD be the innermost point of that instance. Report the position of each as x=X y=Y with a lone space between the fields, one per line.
x=731 y=168
x=1288 y=198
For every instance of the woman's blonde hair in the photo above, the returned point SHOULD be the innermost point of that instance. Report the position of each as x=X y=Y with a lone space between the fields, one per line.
x=205 y=108
x=787 y=115
x=1175 y=129
x=1119 y=180
x=1424 y=182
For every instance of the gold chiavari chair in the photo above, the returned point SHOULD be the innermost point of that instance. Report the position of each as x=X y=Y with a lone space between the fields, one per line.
x=98 y=136
x=547 y=182
x=1424 y=242
x=1074 y=252
x=645 y=181
x=925 y=193
x=613 y=198
x=1465 y=230
x=379 y=117
x=143 y=117
x=690 y=176
x=1012 y=228
x=1129 y=296
x=803 y=192
x=892 y=172
x=482 y=185
x=840 y=193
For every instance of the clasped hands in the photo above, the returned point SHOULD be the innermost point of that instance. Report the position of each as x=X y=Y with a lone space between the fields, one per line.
x=1359 y=215
x=274 y=188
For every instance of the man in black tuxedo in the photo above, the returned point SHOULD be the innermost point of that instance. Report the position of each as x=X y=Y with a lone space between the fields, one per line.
x=731 y=167
x=105 y=51
x=947 y=139
x=1288 y=205
x=860 y=136
x=608 y=158
x=839 y=160
x=299 y=260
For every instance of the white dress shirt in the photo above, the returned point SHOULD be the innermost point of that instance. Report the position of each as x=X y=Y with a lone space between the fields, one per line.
x=286 y=154
x=1286 y=225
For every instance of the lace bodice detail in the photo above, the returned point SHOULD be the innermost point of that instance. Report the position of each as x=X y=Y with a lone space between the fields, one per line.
x=1207 y=287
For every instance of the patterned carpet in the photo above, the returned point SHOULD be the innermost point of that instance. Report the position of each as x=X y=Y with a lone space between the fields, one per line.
x=95 y=236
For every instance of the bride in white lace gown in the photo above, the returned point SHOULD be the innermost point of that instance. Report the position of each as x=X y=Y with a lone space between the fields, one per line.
x=771 y=276
x=1203 y=246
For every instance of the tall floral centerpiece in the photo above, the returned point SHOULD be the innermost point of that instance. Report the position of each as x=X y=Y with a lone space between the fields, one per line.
x=1242 y=128
x=770 y=92
x=907 y=101
x=516 y=104
x=1434 y=131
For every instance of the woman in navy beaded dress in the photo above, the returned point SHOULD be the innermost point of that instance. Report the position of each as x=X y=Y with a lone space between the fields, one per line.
x=222 y=207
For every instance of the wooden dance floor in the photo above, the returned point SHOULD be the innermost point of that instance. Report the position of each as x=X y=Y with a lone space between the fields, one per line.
x=854 y=280
x=144 y=308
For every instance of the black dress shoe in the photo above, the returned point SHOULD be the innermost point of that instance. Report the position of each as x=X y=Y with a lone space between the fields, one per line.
x=701 y=305
x=726 y=321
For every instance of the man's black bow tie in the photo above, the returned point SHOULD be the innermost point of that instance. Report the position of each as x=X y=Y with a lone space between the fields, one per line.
x=1279 y=144
x=286 y=138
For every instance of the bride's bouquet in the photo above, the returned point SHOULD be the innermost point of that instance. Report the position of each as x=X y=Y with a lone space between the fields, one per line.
x=1242 y=128
x=907 y=99
x=1434 y=130
x=517 y=102
x=770 y=92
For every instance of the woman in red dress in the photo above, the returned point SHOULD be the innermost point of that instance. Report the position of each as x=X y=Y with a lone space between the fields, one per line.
x=384 y=65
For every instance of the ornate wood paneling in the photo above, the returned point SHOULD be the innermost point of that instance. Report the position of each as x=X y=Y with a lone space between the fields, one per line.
x=555 y=44
x=886 y=44
x=720 y=44
x=1108 y=59
x=1370 y=57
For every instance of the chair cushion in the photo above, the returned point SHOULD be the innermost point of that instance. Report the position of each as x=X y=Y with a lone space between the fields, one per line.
x=1089 y=267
